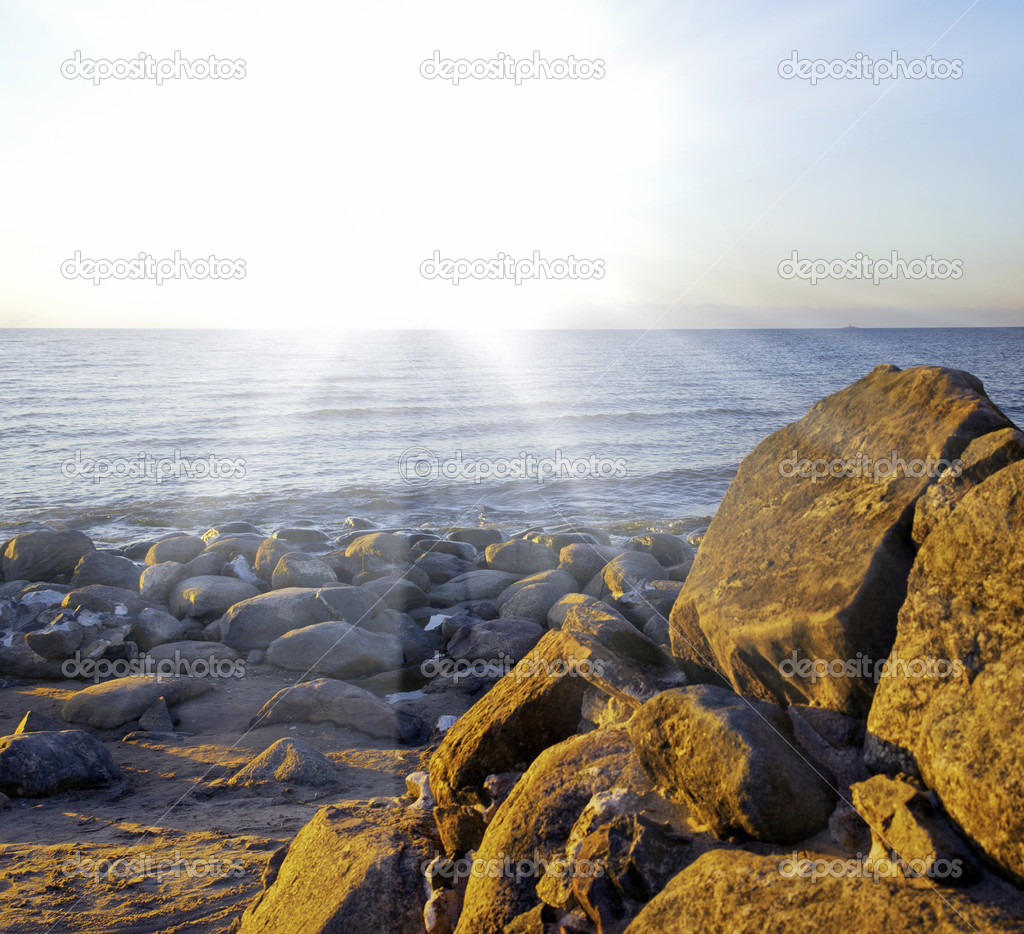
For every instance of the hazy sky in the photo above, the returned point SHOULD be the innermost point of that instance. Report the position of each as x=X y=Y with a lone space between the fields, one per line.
x=333 y=169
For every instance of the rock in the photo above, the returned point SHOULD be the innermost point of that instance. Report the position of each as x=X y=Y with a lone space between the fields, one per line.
x=328 y=701
x=520 y=556
x=287 y=762
x=559 y=611
x=236 y=527
x=44 y=555
x=258 y=621
x=744 y=893
x=731 y=761
x=156 y=580
x=59 y=639
x=239 y=567
x=296 y=569
x=302 y=536
x=268 y=554
x=669 y=550
x=462 y=550
x=948 y=700
x=97 y=567
x=101 y=598
x=622 y=853
x=908 y=832
x=584 y=562
x=351 y=868
x=197 y=659
x=655 y=598
x=534 y=824
x=357 y=522
x=207 y=597
x=982 y=458
x=396 y=593
x=476 y=585
x=345 y=568
x=209 y=563
x=109 y=705
x=417 y=645
x=153 y=627
x=532 y=708
x=556 y=541
x=478 y=538
x=440 y=568
x=182 y=549
x=628 y=573
x=157 y=718
x=819 y=566
x=336 y=649
x=499 y=639
x=33 y=765
x=355 y=605
x=34 y=722
x=382 y=546
x=233 y=545
x=533 y=602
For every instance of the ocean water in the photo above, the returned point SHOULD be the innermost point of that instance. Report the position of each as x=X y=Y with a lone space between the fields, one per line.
x=113 y=432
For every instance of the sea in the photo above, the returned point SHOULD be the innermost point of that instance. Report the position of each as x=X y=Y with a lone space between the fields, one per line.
x=126 y=434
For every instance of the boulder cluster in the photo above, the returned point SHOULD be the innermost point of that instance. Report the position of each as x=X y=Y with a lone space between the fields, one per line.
x=806 y=719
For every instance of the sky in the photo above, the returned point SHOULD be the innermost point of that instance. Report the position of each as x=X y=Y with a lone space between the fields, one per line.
x=680 y=175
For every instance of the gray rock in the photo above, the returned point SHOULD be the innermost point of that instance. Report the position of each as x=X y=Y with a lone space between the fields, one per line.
x=476 y=585
x=258 y=621
x=296 y=569
x=504 y=638
x=44 y=555
x=462 y=550
x=207 y=597
x=97 y=567
x=326 y=700
x=156 y=580
x=560 y=610
x=113 y=703
x=233 y=545
x=235 y=527
x=157 y=718
x=199 y=659
x=669 y=550
x=153 y=627
x=478 y=538
x=585 y=562
x=181 y=549
x=209 y=563
x=302 y=536
x=269 y=553
x=336 y=649
x=33 y=765
x=103 y=599
x=396 y=593
x=533 y=602
x=382 y=546
x=34 y=722
x=520 y=556
x=441 y=567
